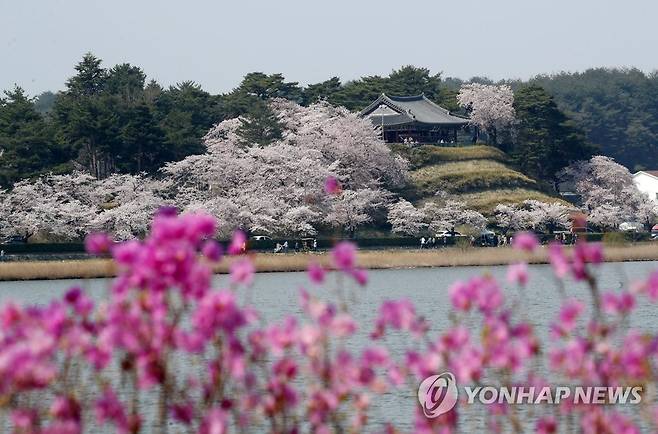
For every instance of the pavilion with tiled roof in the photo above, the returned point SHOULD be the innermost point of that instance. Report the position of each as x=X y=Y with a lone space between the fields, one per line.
x=413 y=118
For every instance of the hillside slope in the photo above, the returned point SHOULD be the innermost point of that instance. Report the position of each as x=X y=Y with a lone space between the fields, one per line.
x=482 y=176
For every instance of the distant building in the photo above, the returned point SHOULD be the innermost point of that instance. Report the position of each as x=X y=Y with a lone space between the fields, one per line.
x=647 y=182
x=413 y=118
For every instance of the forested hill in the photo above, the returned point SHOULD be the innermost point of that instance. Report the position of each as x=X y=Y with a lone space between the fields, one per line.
x=113 y=119
x=618 y=110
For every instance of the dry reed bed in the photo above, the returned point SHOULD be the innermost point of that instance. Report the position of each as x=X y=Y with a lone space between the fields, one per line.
x=372 y=259
x=69 y=269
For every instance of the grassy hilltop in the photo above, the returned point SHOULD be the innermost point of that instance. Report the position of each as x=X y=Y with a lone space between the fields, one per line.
x=482 y=176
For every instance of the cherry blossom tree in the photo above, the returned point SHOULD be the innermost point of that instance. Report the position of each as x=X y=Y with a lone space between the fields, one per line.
x=4 y=214
x=354 y=208
x=608 y=192
x=78 y=185
x=225 y=210
x=67 y=207
x=406 y=219
x=251 y=189
x=129 y=203
x=533 y=215
x=548 y=216
x=41 y=208
x=450 y=213
x=491 y=107
x=646 y=213
x=509 y=218
x=279 y=188
x=607 y=216
x=299 y=220
x=441 y=214
x=363 y=159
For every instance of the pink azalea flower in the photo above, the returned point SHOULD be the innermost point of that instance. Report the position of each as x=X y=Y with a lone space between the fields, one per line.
x=468 y=364
x=199 y=226
x=65 y=407
x=546 y=425
x=167 y=211
x=149 y=370
x=525 y=241
x=183 y=413
x=559 y=261
x=24 y=419
x=190 y=342
x=242 y=272
x=360 y=276
x=375 y=356
x=400 y=315
x=395 y=376
x=344 y=255
x=617 y=303
x=82 y=304
x=215 y=422
x=10 y=314
x=454 y=339
x=127 y=252
x=594 y=418
x=212 y=250
x=652 y=286
x=488 y=294
x=343 y=325
x=332 y=186
x=574 y=359
x=218 y=310
x=570 y=311
x=316 y=273
x=110 y=409
x=309 y=338
x=586 y=253
x=634 y=355
x=238 y=243
x=518 y=273
x=461 y=295
x=98 y=243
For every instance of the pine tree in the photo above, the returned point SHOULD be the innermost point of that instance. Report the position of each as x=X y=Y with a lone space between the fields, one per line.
x=90 y=78
x=27 y=142
x=143 y=144
x=546 y=139
x=259 y=126
x=126 y=81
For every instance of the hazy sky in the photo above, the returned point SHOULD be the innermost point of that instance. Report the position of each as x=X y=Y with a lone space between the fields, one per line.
x=216 y=42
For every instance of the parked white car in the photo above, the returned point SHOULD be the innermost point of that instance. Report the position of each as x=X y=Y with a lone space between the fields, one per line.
x=448 y=234
x=631 y=227
x=260 y=238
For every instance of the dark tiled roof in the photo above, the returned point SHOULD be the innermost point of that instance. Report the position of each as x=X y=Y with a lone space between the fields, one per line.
x=412 y=109
x=389 y=120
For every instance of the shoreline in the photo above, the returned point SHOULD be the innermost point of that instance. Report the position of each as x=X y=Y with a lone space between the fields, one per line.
x=291 y=262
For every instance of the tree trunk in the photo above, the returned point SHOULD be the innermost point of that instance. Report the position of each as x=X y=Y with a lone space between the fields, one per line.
x=139 y=158
x=556 y=185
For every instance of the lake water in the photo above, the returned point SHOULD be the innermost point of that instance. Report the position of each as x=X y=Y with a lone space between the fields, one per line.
x=275 y=295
